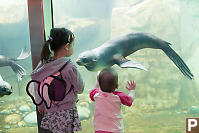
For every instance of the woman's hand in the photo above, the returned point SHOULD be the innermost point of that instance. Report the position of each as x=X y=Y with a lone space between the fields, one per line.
x=55 y=102
x=41 y=110
x=131 y=85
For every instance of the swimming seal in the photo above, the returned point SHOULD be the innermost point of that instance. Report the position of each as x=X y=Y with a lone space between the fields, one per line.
x=19 y=70
x=115 y=51
x=5 y=88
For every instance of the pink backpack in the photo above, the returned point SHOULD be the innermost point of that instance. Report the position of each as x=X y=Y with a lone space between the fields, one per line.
x=51 y=90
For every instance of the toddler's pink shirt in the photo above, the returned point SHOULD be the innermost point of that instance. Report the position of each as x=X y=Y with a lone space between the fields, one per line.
x=108 y=114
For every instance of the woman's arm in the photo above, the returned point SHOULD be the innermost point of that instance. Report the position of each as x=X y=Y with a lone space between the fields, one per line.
x=76 y=79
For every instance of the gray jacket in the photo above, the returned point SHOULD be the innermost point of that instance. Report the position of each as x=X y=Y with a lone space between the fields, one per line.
x=70 y=75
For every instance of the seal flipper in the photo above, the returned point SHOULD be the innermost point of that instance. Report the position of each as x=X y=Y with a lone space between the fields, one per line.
x=1 y=79
x=124 y=63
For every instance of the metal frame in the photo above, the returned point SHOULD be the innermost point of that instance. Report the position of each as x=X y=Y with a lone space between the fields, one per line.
x=37 y=27
x=37 y=37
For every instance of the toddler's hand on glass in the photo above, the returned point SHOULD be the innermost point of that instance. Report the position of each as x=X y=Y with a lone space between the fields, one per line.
x=131 y=85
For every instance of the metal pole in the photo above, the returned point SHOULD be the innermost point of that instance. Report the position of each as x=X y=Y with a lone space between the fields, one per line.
x=36 y=28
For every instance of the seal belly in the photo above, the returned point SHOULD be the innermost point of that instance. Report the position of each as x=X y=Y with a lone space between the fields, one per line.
x=4 y=61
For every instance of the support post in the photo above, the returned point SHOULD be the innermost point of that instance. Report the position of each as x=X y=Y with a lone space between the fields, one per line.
x=37 y=35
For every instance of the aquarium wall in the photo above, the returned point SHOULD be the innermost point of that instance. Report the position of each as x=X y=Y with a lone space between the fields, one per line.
x=14 y=39
x=164 y=97
x=15 y=60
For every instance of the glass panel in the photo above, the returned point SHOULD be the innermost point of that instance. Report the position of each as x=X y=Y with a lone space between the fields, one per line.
x=15 y=60
x=163 y=94
x=47 y=17
x=77 y=16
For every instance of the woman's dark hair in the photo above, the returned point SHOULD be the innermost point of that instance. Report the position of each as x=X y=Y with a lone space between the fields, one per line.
x=57 y=38
x=108 y=80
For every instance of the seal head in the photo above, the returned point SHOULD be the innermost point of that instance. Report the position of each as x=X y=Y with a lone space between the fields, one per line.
x=87 y=59
x=5 y=87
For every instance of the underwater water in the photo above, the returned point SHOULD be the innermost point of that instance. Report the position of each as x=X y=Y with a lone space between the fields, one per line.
x=164 y=97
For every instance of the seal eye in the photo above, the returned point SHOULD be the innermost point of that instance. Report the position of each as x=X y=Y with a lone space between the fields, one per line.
x=85 y=60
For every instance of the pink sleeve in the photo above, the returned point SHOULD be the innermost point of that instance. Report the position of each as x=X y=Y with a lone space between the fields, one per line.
x=92 y=94
x=125 y=99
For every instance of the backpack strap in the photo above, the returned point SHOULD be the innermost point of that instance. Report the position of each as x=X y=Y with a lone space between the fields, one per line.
x=63 y=66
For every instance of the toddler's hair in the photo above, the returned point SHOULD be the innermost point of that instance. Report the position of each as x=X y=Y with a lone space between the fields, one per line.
x=108 y=80
x=57 y=38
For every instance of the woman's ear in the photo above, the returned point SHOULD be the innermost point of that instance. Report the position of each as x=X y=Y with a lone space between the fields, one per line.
x=66 y=47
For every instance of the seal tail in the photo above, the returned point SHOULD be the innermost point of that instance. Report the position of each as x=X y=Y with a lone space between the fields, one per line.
x=178 y=61
x=23 y=55
x=19 y=70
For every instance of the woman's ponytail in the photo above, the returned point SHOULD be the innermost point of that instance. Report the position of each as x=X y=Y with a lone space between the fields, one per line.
x=45 y=52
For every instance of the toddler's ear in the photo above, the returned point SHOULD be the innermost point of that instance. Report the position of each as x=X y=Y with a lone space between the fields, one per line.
x=117 y=86
x=98 y=75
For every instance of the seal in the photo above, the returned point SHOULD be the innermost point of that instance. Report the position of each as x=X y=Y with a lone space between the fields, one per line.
x=5 y=87
x=19 y=70
x=114 y=52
